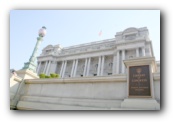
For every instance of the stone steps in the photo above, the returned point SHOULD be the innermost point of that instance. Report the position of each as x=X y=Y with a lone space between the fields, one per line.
x=47 y=103
x=22 y=105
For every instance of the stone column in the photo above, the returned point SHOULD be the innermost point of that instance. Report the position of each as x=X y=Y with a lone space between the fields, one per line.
x=84 y=72
x=48 y=67
x=150 y=54
x=55 y=65
x=118 y=61
x=88 y=67
x=72 y=70
x=143 y=51
x=38 y=68
x=65 y=64
x=137 y=52
x=44 y=71
x=98 y=69
x=123 y=58
x=62 y=66
x=75 y=68
x=113 y=69
x=102 y=67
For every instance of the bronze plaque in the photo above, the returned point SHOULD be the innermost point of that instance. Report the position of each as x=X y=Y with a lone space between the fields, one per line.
x=139 y=81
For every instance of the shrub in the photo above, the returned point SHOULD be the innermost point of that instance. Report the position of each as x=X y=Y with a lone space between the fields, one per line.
x=57 y=75
x=42 y=75
x=54 y=75
x=47 y=77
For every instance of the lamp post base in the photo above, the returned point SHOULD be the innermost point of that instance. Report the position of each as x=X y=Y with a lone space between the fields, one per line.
x=30 y=66
x=27 y=74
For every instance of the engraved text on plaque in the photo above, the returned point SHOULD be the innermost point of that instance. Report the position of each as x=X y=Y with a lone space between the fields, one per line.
x=139 y=81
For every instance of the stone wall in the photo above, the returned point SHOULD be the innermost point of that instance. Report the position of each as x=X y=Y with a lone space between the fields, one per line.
x=87 y=93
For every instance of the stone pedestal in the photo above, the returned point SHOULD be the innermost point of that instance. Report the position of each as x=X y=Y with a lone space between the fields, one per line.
x=27 y=74
x=140 y=87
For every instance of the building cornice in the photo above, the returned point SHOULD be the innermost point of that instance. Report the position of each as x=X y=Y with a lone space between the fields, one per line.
x=77 y=55
x=90 y=44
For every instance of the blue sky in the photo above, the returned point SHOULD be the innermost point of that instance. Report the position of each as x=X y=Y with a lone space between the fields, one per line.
x=72 y=27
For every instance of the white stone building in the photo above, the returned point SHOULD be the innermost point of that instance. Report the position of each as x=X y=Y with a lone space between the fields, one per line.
x=100 y=58
x=113 y=74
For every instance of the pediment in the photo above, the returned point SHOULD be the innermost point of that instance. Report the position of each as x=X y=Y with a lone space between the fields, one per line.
x=48 y=47
x=130 y=30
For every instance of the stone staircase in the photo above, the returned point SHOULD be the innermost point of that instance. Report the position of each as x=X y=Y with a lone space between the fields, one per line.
x=51 y=103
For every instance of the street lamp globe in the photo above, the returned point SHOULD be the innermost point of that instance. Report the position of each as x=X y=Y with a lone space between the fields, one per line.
x=42 y=32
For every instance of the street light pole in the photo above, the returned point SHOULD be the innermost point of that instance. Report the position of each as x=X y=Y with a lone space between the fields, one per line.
x=31 y=64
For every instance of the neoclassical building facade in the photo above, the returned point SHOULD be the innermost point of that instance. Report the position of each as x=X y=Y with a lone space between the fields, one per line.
x=99 y=58
x=113 y=74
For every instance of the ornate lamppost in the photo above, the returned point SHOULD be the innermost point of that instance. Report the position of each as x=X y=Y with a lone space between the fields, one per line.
x=31 y=64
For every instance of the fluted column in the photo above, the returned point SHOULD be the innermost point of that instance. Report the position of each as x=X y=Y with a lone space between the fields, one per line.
x=123 y=57
x=56 y=65
x=113 y=69
x=88 y=66
x=48 y=67
x=62 y=66
x=143 y=51
x=38 y=68
x=102 y=67
x=72 y=70
x=84 y=72
x=118 y=55
x=75 y=68
x=137 y=52
x=44 y=71
x=98 y=69
x=65 y=64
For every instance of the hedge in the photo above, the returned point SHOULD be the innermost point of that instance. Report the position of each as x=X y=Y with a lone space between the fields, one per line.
x=52 y=75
